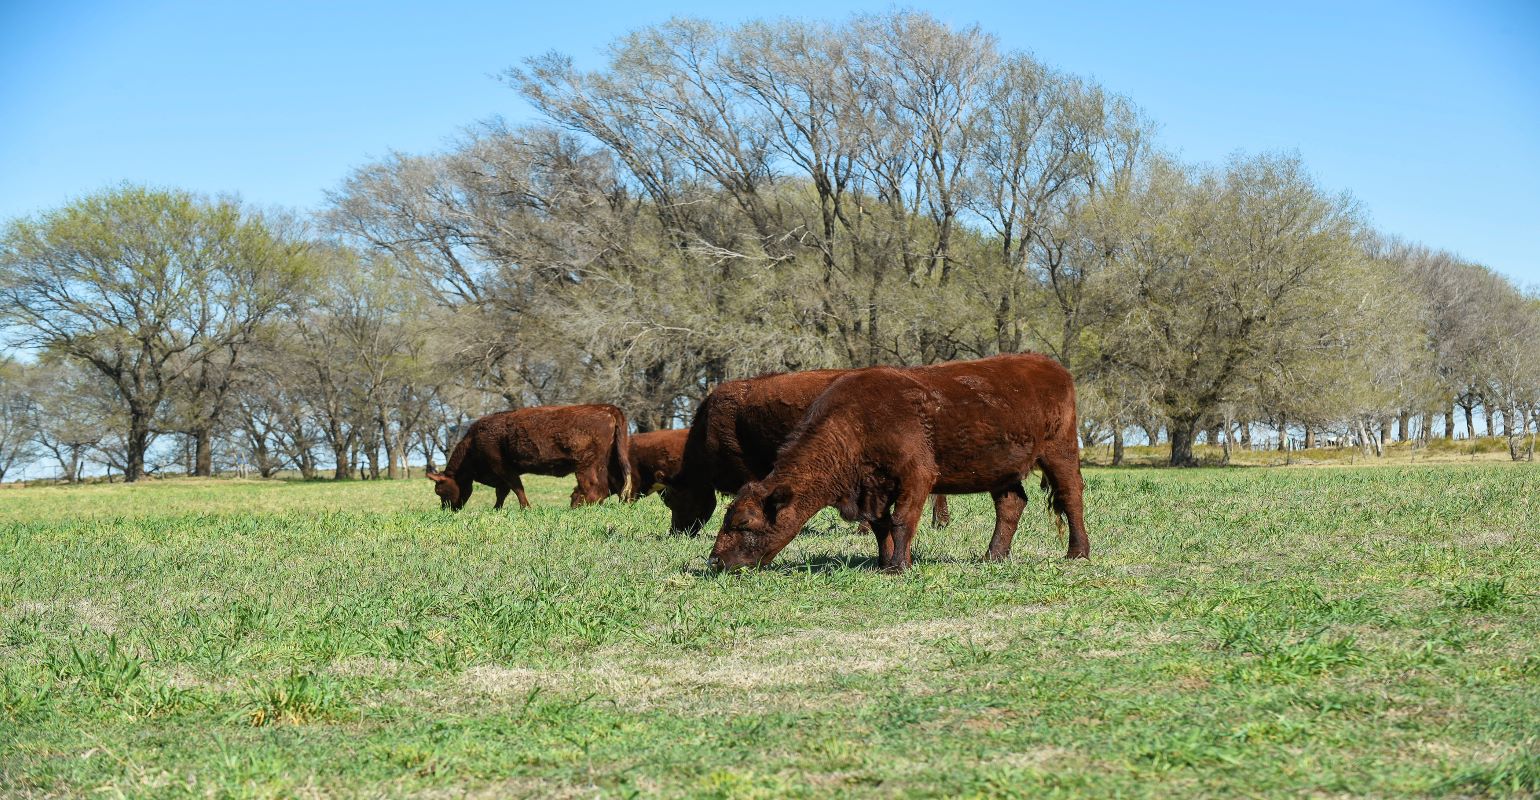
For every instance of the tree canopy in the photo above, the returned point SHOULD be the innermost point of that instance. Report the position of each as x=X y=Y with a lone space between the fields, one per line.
x=720 y=201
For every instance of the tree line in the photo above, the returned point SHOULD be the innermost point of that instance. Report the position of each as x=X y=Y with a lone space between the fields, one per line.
x=718 y=202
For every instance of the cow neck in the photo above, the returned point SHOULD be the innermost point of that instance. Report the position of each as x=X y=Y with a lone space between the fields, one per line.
x=457 y=456
x=819 y=467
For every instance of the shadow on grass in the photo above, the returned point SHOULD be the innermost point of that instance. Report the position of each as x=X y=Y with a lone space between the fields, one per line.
x=824 y=564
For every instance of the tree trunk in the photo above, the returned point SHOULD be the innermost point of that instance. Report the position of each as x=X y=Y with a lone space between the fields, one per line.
x=1449 y=424
x=1384 y=433
x=138 y=442
x=1514 y=435
x=1117 y=445
x=1470 y=421
x=1283 y=433
x=1404 y=426
x=1366 y=440
x=1486 y=409
x=1183 y=432
x=340 y=453
x=425 y=444
x=1088 y=434
x=203 y=453
x=392 y=471
x=1309 y=438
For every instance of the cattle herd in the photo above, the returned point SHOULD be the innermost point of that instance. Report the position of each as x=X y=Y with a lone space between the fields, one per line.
x=873 y=443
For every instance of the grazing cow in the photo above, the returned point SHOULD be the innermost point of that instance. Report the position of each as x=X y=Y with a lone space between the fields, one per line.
x=655 y=458
x=590 y=441
x=735 y=436
x=880 y=439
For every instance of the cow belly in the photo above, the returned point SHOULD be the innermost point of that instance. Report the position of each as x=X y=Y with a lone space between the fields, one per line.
x=981 y=458
x=553 y=467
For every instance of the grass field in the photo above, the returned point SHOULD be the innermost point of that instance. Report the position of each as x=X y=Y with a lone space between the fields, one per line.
x=1485 y=449
x=1371 y=631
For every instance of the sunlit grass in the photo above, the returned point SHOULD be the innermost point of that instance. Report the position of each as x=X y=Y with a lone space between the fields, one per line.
x=1248 y=631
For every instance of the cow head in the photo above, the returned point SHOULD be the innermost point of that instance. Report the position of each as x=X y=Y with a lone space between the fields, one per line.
x=689 y=504
x=448 y=490
x=755 y=528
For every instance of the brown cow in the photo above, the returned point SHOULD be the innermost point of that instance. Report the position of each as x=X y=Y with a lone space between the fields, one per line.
x=590 y=441
x=735 y=436
x=879 y=440
x=655 y=459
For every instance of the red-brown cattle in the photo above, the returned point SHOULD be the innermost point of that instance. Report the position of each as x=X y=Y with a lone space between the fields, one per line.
x=589 y=441
x=880 y=439
x=655 y=459
x=735 y=436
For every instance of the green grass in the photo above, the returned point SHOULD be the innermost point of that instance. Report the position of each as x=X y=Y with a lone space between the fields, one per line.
x=1436 y=451
x=1236 y=632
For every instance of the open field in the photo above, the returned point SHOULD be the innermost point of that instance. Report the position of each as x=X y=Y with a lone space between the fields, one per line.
x=1236 y=632
x=1480 y=450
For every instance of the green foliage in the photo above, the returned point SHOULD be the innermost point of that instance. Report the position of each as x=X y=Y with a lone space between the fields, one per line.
x=154 y=292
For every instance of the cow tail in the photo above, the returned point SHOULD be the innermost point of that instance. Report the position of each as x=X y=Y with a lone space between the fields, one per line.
x=1055 y=431
x=1056 y=505
x=620 y=456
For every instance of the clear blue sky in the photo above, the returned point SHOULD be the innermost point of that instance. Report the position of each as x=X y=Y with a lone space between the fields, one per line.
x=1429 y=112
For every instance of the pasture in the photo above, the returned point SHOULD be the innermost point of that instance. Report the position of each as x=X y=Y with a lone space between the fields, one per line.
x=1334 y=631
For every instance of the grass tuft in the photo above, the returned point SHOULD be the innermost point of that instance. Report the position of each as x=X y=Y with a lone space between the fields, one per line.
x=1516 y=775
x=294 y=699
x=1487 y=594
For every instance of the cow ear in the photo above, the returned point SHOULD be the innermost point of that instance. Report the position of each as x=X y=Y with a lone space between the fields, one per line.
x=776 y=500
x=436 y=477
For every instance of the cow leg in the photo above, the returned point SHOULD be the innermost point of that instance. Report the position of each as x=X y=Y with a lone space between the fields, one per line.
x=590 y=488
x=502 y=494
x=940 y=513
x=599 y=484
x=882 y=528
x=906 y=520
x=1009 y=503
x=1062 y=470
x=518 y=489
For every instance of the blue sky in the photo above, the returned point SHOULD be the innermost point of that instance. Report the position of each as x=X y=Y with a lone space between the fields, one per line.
x=1428 y=112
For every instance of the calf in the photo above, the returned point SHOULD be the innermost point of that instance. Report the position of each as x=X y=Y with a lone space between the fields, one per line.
x=735 y=436
x=878 y=440
x=590 y=441
x=655 y=459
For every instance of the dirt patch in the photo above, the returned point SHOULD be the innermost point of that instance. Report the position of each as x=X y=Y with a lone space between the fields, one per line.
x=85 y=612
x=766 y=670
x=366 y=667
